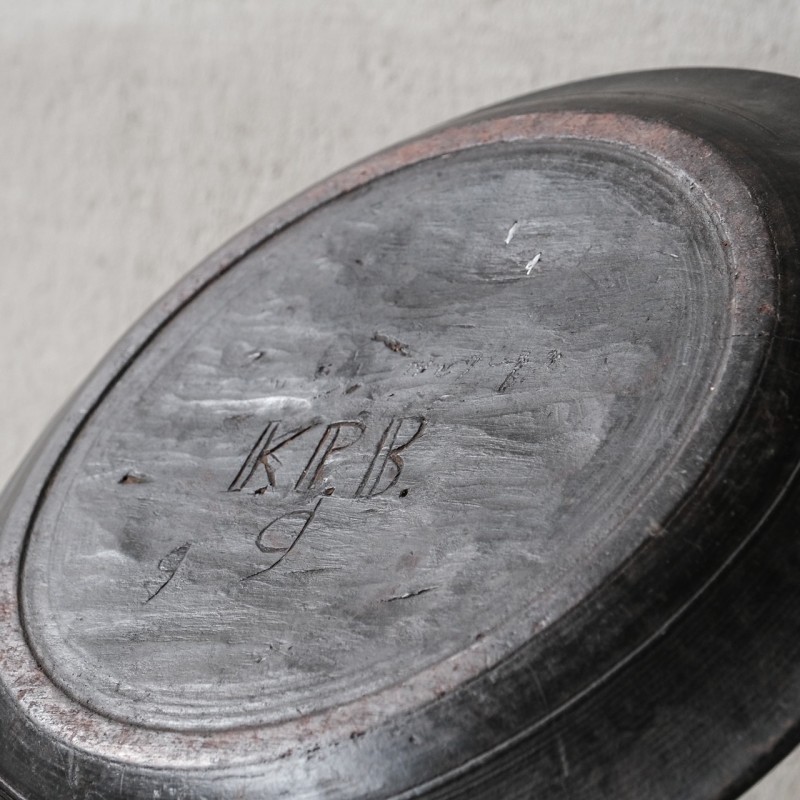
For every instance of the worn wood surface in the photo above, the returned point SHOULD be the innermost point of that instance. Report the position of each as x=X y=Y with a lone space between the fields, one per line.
x=458 y=476
x=382 y=402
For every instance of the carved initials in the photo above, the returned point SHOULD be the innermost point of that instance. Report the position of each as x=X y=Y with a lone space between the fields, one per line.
x=263 y=453
x=283 y=533
x=326 y=447
x=389 y=451
x=263 y=450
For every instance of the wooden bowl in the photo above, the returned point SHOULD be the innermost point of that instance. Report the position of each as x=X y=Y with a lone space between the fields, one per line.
x=470 y=472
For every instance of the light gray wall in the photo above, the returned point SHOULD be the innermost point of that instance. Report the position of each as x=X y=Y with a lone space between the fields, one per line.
x=136 y=136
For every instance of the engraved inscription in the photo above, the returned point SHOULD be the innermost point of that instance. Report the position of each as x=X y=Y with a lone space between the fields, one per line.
x=388 y=451
x=314 y=469
x=382 y=472
x=169 y=565
x=264 y=450
x=282 y=534
x=513 y=376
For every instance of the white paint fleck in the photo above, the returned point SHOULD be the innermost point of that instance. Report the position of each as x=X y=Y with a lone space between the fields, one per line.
x=529 y=267
x=277 y=402
x=511 y=231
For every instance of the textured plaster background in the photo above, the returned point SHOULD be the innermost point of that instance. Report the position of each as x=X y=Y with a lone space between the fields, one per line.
x=137 y=136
